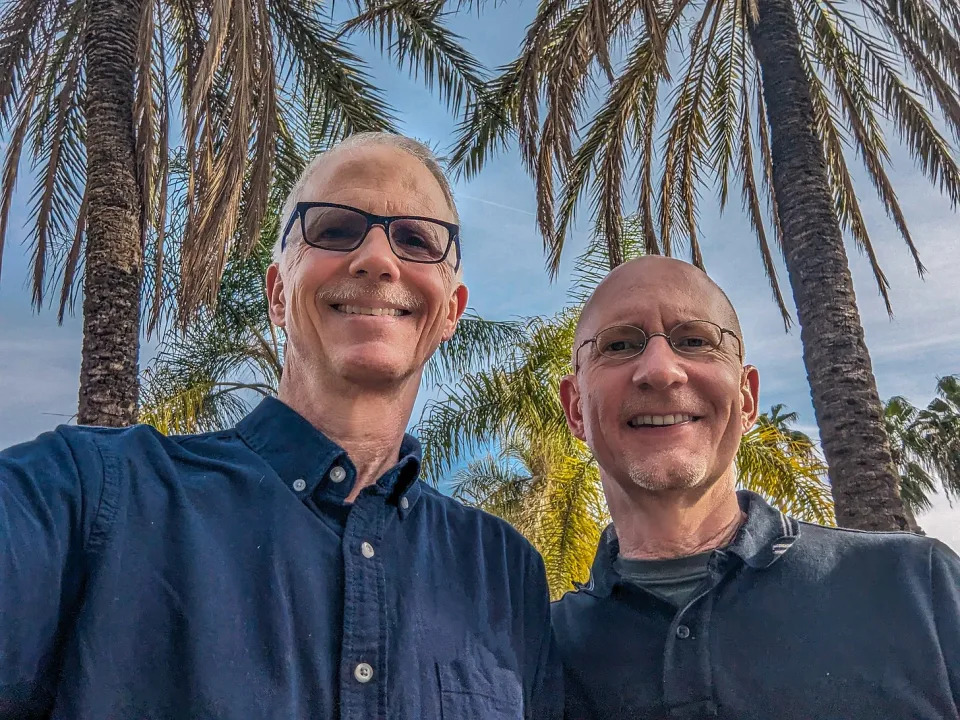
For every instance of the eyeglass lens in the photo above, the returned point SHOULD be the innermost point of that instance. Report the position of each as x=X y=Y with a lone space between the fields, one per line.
x=344 y=230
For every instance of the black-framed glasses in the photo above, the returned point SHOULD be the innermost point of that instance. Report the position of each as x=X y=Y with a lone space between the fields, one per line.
x=692 y=338
x=341 y=228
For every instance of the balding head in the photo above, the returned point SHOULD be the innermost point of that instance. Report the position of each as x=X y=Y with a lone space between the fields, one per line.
x=661 y=419
x=658 y=284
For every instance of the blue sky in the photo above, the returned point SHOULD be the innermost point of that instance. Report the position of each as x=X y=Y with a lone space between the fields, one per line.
x=504 y=269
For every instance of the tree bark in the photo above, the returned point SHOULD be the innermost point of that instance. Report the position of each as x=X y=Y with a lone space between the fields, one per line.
x=114 y=252
x=848 y=410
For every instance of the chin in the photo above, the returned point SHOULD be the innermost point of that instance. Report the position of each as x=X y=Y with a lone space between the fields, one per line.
x=684 y=477
x=374 y=370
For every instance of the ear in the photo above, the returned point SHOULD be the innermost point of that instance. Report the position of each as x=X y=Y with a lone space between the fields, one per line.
x=276 y=300
x=570 y=399
x=749 y=396
x=458 y=303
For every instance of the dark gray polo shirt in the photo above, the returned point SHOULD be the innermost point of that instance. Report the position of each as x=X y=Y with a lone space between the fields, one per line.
x=794 y=622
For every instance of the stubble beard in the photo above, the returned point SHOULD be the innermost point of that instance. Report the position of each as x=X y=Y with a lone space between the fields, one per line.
x=684 y=476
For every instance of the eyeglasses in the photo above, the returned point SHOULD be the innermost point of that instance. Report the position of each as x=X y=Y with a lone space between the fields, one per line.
x=342 y=228
x=693 y=338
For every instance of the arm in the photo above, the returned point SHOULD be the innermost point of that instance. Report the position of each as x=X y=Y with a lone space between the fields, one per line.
x=945 y=585
x=43 y=529
x=546 y=699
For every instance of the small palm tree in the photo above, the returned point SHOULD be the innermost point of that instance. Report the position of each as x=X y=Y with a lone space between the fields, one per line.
x=774 y=98
x=90 y=89
x=505 y=421
x=926 y=444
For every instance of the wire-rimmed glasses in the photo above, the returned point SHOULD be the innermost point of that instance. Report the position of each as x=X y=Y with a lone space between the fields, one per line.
x=691 y=339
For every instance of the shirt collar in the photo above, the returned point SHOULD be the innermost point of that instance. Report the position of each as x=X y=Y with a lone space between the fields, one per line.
x=761 y=541
x=305 y=458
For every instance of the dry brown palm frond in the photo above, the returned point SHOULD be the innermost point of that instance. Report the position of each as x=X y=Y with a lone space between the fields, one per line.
x=414 y=32
x=12 y=161
x=846 y=204
x=851 y=88
x=727 y=73
x=265 y=134
x=766 y=158
x=578 y=41
x=686 y=139
x=644 y=123
x=539 y=36
x=487 y=122
x=159 y=218
x=629 y=98
x=211 y=232
x=73 y=259
x=751 y=202
x=65 y=103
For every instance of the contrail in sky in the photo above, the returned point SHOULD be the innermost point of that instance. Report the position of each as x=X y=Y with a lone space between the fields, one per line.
x=496 y=204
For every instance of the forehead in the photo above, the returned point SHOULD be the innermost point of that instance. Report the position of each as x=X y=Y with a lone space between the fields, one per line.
x=379 y=179
x=655 y=298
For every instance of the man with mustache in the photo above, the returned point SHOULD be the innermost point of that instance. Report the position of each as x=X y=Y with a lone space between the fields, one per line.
x=708 y=603
x=293 y=566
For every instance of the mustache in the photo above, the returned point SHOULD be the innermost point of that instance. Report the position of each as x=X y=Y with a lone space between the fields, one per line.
x=343 y=292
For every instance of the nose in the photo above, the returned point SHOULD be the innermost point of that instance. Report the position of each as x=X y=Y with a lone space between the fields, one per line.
x=658 y=367
x=375 y=258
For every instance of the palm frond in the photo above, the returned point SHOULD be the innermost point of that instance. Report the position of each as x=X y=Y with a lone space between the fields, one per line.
x=787 y=472
x=416 y=36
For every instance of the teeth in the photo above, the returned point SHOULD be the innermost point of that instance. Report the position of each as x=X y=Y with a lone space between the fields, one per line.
x=357 y=310
x=657 y=420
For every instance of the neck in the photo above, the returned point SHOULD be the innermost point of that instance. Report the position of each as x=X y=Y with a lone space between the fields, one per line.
x=367 y=422
x=674 y=523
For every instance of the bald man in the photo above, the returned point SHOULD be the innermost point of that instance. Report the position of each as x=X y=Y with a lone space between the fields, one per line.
x=705 y=602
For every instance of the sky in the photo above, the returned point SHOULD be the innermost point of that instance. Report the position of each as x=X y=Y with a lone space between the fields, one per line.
x=504 y=270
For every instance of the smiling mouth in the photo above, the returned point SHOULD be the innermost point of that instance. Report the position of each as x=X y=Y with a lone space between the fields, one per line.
x=660 y=420
x=372 y=311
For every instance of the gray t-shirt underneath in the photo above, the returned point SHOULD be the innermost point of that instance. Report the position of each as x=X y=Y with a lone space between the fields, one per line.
x=673 y=580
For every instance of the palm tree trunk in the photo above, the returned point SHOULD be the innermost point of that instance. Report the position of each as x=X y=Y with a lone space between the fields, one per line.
x=845 y=399
x=114 y=253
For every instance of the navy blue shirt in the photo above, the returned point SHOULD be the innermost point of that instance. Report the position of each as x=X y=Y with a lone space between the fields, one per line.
x=223 y=576
x=794 y=622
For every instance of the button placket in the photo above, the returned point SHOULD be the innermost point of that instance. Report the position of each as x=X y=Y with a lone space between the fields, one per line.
x=363 y=649
x=687 y=669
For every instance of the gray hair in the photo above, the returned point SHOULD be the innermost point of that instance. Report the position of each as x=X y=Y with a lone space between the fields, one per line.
x=364 y=139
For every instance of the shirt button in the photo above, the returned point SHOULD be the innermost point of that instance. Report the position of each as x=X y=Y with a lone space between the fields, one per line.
x=683 y=632
x=367 y=550
x=363 y=673
x=404 y=503
x=299 y=484
x=337 y=473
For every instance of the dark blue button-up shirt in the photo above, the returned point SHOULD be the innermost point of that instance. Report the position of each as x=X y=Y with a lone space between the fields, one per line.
x=222 y=576
x=794 y=622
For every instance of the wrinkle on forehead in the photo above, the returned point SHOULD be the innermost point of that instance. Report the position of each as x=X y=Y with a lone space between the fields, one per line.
x=676 y=289
x=369 y=169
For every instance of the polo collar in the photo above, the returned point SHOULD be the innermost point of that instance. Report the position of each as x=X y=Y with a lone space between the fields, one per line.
x=762 y=540
x=304 y=458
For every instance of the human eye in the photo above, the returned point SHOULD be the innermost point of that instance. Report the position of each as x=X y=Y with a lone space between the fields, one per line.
x=696 y=337
x=619 y=342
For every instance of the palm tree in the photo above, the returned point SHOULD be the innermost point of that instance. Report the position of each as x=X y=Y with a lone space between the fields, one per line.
x=504 y=420
x=522 y=464
x=926 y=444
x=774 y=88
x=89 y=87
x=208 y=375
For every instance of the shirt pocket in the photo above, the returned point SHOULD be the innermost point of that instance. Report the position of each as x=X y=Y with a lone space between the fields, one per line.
x=472 y=690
